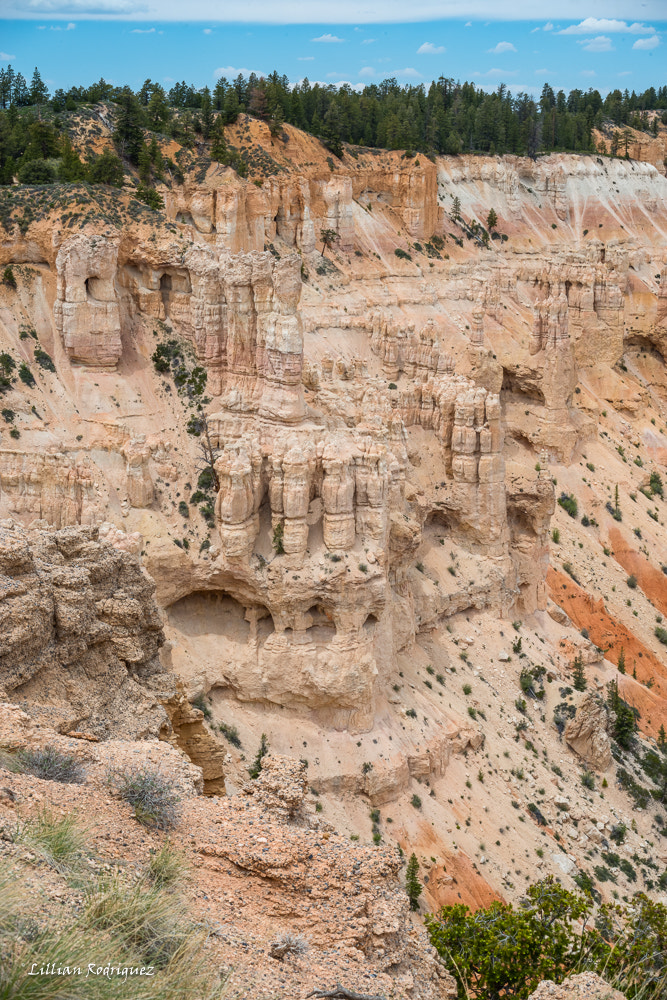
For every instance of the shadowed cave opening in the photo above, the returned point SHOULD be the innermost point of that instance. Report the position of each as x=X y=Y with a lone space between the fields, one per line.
x=205 y=617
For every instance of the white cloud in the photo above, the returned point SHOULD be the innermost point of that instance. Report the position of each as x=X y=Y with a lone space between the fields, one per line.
x=590 y=25
x=408 y=71
x=366 y=71
x=548 y=26
x=305 y=58
x=599 y=44
x=646 y=44
x=208 y=31
x=41 y=27
x=328 y=38
x=429 y=49
x=588 y=72
x=502 y=47
x=497 y=72
x=468 y=24
x=235 y=70
x=71 y=26
x=84 y=8
x=626 y=72
x=322 y=12
x=142 y=31
x=368 y=41
x=6 y=56
x=542 y=72
x=534 y=30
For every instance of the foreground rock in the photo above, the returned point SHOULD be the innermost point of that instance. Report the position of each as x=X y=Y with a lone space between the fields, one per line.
x=262 y=863
x=585 y=986
x=80 y=633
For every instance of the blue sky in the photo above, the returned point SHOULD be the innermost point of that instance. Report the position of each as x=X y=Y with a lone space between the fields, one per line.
x=80 y=40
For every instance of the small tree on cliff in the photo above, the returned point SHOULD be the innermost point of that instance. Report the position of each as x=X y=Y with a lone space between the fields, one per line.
x=208 y=453
x=328 y=237
x=256 y=765
x=491 y=220
x=412 y=884
x=578 y=674
x=621 y=661
x=456 y=209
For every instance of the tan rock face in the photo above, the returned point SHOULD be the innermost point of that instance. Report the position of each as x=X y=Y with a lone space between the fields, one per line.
x=584 y=986
x=588 y=733
x=52 y=486
x=81 y=632
x=86 y=308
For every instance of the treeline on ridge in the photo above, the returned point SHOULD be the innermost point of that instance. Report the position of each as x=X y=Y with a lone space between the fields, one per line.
x=447 y=117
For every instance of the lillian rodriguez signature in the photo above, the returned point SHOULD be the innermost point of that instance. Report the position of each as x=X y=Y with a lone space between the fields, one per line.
x=106 y=971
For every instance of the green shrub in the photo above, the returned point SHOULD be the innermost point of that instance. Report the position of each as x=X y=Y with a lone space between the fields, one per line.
x=183 y=509
x=632 y=582
x=52 y=765
x=26 y=375
x=8 y=278
x=44 y=360
x=501 y=952
x=402 y=254
x=661 y=634
x=149 y=196
x=655 y=484
x=278 y=533
x=230 y=733
x=416 y=801
x=569 y=503
x=151 y=794
x=200 y=703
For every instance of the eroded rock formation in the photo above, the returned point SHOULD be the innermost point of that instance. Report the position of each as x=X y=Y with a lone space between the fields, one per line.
x=81 y=633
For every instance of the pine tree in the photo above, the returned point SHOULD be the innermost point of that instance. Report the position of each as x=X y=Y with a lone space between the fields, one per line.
x=625 y=721
x=39 y=92
x=491 y=220
x=219 y=143
x=412 y=884
x=662 y=737
x=578 y=675
x=206 y=113
x=71 y=168
x=621 y=661
x=456 y=209
x=129 y=136
x=256 y=765
x=20 y=93
x=144 y=163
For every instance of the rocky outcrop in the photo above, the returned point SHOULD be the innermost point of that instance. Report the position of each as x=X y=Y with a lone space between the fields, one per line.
x=81 y=633
x=583 y=986
x=191 y=735
x=588 y=733
x=359 y=903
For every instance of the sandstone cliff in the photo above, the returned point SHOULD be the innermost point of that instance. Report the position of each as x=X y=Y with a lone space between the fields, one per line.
x=341 y=471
